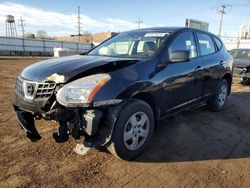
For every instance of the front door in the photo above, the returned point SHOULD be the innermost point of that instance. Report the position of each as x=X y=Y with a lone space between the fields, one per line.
x=182 y=83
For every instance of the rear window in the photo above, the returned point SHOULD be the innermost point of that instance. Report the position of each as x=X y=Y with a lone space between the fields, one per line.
x=218 y=42
x=206 y=44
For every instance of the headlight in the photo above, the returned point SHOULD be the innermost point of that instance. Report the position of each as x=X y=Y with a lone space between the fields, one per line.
x=81 y=91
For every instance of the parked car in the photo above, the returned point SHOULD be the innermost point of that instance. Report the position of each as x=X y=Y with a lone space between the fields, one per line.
x=116 y=94
x=242 y=63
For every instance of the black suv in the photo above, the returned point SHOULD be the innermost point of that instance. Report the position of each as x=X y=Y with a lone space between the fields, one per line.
x=116 y=94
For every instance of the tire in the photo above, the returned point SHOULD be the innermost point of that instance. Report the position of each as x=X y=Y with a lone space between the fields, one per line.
x=217 y=102
x=133 y=130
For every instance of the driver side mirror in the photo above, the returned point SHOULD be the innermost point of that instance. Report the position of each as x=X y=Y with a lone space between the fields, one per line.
x=179 y=56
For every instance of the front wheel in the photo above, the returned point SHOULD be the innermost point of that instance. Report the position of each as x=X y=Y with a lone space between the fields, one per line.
x=217 y=102
x=133 y=130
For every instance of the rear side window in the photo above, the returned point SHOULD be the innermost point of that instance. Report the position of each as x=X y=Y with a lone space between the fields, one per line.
x=185 y=41
x=206 y=44
x=218 y=42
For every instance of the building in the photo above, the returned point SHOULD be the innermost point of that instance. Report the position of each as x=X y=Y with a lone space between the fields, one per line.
x=39 y=47
x=241 y=39
x=102 y=36
x=244 y=32
x=95 y=38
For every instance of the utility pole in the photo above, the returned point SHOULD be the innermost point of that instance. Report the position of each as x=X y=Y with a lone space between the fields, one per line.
x=222 y=11
x=22 y=25
x=139 y=22
x=79 y=24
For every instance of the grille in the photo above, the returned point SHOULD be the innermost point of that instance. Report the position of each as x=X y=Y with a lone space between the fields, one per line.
x=19 y=87
x=45 y=90
x=41 y=90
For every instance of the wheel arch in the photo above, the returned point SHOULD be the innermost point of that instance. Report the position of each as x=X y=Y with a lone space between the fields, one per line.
x=150 y=99
x=143 y=91
x=228 y=77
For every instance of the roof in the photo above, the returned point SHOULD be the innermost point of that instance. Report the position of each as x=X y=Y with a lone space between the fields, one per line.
x=168 y=29
x=158 y=29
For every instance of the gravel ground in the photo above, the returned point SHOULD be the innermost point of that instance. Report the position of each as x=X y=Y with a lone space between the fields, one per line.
x=195 y=148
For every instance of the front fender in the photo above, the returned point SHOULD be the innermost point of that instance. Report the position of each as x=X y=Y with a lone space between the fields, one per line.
x=118 y=88
x=135 y=89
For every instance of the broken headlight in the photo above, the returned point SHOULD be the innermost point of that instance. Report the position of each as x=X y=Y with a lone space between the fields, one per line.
x=82 y=91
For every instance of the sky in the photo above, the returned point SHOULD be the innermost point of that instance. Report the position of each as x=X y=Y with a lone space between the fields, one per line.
x=59 y=18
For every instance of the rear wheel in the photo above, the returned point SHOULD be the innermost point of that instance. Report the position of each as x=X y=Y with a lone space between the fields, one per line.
x=133 y=130
x=218 y=101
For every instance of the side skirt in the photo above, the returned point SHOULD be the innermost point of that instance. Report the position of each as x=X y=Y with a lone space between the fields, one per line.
x=194 y=103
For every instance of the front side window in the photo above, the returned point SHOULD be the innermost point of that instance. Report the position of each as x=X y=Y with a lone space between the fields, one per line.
x=206 y=44
x=135 y=44
x=185 y=41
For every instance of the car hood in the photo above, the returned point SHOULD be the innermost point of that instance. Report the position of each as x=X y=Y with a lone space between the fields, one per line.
x=242 y=63
x=69 y=67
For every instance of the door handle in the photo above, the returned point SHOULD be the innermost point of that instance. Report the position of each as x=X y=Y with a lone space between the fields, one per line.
x=222 y=62
x=198 y=68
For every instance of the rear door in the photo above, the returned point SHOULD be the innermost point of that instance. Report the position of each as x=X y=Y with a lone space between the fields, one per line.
x=211 y=62
x=181 y=81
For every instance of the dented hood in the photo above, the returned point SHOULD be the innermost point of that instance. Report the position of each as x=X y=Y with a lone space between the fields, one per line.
x=68 y=67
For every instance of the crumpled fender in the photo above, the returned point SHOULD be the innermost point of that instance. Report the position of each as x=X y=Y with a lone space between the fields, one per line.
x=105 y=130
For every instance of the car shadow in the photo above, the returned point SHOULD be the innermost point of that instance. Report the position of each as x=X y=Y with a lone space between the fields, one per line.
x=200 y=134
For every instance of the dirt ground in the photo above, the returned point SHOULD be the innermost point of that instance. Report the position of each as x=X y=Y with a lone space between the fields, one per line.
x=196 y=148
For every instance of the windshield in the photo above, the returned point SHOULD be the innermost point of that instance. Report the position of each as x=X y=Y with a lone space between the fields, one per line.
x=140 y=44
x=241 y=54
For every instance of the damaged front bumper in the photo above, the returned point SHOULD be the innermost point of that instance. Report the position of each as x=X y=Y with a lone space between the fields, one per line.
x=94 y=122
x=76 y=121
x=27 y=123
x=246 y=77
x=243 y=73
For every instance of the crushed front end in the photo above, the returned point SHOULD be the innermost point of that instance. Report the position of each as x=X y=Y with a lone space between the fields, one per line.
x=243 y=73
x=31 y=101
x=246 y=75
x=39 y=100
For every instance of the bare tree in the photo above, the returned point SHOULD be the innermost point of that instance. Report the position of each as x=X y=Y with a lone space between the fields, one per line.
x=87 y=37
x=29 y=35
x=41 y=34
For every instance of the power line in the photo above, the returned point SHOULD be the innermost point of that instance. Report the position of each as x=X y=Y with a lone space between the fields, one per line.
x=223 y=10
x=139 y=22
